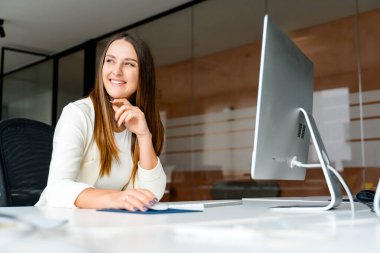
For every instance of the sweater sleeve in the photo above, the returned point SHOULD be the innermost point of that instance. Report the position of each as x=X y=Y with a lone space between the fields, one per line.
x=153 y=180
x=68 y=148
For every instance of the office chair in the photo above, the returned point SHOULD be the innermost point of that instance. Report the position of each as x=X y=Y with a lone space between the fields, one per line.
x=25 y=153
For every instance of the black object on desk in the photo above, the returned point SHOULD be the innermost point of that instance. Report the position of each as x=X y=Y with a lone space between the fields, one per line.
x=366 y=197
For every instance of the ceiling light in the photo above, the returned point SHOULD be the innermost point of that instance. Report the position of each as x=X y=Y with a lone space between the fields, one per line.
x=2 y=32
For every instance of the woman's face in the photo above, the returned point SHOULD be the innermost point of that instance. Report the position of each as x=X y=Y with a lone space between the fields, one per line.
x=120 y=70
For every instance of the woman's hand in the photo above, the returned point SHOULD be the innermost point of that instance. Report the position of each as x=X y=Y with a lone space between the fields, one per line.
x=131 y=116
x=131 y=199
x=134 y=120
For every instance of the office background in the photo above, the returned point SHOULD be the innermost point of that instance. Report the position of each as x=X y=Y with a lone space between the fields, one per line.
x=207 y=56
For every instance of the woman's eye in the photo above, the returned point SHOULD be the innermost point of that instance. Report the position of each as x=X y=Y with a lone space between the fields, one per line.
x=109 y=60
x=130 y=64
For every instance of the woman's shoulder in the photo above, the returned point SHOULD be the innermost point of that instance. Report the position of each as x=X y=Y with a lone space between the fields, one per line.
x=83 y=105
x=78 y=114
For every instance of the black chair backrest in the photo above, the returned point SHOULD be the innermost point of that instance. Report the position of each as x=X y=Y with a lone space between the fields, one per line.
x=25 y=154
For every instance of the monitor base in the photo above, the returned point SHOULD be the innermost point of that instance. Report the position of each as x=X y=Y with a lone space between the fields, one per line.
x=324 y=163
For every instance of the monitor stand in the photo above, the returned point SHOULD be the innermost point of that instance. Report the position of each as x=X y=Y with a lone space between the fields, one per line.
x=331 y=180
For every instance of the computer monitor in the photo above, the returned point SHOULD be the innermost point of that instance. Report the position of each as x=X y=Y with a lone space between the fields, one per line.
x=284 y=124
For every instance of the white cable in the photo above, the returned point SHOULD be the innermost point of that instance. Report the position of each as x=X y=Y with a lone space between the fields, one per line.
x=345 y=186
x=376 y=201
x=336 y=173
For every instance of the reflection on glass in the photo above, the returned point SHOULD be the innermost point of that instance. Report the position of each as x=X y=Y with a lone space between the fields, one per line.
x=331 y=112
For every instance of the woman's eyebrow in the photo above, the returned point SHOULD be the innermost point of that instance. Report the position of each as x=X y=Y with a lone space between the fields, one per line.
x=125 y=59
x=130 y=59
x=110 y=56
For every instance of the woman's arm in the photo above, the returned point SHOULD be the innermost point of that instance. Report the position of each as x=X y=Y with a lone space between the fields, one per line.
x=150 y=174
x=69 y=170
x=148 y=158
x=152 y=179
x=134 y=120
x=68 y=147
x=133 y=200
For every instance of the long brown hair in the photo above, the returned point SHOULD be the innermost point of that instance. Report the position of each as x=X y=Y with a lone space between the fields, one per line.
x=144 y=98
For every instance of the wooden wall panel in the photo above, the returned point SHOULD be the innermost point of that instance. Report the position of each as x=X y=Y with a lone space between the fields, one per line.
x=230 y=78
x=195 y=93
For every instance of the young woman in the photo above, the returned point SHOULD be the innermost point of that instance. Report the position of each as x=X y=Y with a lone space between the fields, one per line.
x=106 y=146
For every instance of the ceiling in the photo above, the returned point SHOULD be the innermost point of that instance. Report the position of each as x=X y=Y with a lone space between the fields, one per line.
x=51 y=26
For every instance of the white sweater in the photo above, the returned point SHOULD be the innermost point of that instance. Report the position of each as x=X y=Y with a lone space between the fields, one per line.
x=75 y=160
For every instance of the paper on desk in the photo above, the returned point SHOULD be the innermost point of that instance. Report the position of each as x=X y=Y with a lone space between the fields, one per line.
x=190 y=207
x=200 y=206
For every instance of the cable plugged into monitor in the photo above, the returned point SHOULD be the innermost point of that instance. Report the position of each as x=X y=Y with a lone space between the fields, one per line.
x=295 y=163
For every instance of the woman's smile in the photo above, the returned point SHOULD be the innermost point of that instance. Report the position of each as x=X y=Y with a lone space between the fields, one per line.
x=117 y=82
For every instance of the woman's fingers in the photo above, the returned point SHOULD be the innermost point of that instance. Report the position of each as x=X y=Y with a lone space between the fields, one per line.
x=134 y=204
x=127 y=116
x=120 y=110
x=118 y=102
x=147 y=193
x=131 y=116
x=121 y=118
x=119 y=105
x=126 y=204
x=139 y=199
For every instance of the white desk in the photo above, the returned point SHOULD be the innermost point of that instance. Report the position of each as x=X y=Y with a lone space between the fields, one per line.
x=250 y=227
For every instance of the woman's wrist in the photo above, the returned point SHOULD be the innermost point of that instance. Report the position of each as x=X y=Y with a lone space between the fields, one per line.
x=144 y=137
x=148 y=157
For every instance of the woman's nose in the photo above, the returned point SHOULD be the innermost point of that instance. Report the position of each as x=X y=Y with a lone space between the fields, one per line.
x=117 y=70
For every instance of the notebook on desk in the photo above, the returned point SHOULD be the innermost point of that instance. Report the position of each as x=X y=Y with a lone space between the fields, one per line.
x=182 y=207
x=170 y=210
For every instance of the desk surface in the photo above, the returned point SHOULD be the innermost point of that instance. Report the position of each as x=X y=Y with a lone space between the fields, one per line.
x=251 y=227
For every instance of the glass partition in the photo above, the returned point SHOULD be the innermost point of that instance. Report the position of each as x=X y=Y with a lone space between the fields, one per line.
x=325 y=32
x=28 y=93
x=226 y=64
x=70 y=79
x=170 y=40
x=207 y=59
x=211 y=143
x=14 y=59
x=365 y=101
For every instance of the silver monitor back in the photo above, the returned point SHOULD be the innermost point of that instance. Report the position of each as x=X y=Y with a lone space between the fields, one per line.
x=285 y=86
